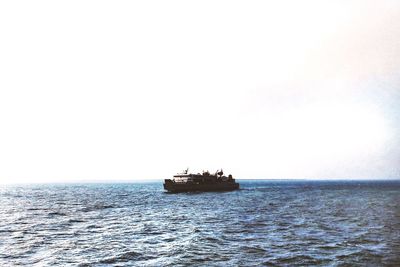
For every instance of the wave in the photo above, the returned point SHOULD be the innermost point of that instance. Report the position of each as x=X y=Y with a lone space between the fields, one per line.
x=126 y=257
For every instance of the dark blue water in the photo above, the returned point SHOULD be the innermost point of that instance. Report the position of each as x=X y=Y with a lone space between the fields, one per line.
x=281 y=223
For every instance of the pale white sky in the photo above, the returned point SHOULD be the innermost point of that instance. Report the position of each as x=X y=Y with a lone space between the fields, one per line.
x=93 y=90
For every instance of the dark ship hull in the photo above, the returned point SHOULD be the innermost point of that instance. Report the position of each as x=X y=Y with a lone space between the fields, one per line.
x=186 y=182
x=191 y=187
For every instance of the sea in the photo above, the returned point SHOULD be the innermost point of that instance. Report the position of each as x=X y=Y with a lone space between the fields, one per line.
x=265 y=223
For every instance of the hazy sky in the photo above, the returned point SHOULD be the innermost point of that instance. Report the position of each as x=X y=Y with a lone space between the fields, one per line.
x=93 y=90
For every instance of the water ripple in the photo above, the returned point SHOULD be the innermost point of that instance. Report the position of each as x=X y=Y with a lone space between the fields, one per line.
x=270 y=223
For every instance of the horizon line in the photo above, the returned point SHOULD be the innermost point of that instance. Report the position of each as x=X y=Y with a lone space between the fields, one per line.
x=119 y=181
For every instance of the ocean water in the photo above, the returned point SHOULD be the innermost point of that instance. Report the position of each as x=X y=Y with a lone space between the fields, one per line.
x=266 y=223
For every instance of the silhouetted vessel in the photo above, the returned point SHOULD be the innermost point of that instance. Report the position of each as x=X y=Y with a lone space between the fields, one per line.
x=187 y=182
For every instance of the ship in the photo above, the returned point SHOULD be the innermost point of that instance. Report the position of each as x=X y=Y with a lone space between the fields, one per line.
x=189 y=182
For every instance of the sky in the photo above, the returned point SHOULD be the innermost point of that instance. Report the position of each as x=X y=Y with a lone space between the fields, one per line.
x=125 y=90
